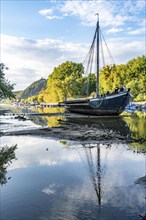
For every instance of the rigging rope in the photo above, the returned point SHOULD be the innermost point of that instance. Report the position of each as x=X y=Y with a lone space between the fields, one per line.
x=89 y=59
x=90 y=50
x=102 y=52
x=106 y=46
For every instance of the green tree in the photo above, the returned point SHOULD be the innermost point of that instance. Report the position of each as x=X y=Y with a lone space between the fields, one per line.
x=5 y=86
x=64 y=82
x=88 y=85
x=132 y=75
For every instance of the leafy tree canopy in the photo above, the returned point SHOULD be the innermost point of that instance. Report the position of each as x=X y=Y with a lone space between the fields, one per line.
x=66 y=81
x=132 y=75
x=5 y=86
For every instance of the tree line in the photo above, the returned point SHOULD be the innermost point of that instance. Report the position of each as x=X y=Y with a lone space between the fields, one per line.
x=132 y=75
x=68 y=81
x=6 y=88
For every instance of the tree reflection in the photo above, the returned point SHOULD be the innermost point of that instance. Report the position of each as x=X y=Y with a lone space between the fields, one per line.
x=7 y=154
x=137 y=125
x=50 y=120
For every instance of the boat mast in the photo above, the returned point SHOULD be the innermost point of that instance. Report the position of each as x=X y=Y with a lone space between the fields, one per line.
x=97 y=56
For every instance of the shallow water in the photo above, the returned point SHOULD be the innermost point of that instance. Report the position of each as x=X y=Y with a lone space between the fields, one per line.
x=65 y=180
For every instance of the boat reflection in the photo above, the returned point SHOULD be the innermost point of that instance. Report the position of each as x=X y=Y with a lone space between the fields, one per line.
x=95 y=175
x=113 y=124
x=132 y=125
x=96 y=165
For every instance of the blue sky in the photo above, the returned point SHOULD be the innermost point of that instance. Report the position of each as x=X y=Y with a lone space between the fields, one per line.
x=37 y=35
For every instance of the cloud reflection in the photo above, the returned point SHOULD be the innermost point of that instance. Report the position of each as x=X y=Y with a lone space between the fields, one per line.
x=49 y=190
x=73 y=183
x=32 y=152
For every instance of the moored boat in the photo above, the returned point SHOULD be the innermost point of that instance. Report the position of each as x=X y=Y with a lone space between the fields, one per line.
x=113 y=104
x=107 y=104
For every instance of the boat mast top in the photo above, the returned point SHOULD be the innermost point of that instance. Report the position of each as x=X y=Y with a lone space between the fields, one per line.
x=97 y=56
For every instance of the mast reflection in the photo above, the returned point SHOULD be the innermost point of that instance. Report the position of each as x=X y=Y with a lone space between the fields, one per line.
x=95 y=171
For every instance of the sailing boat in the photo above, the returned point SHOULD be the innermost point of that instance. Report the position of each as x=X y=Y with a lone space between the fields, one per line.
x=100 y=105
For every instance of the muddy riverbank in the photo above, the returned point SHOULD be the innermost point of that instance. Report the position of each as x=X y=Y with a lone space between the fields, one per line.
x=79 y=129
x=59 y=125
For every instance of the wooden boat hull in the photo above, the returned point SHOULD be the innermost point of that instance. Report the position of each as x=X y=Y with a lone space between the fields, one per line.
x=101 y=106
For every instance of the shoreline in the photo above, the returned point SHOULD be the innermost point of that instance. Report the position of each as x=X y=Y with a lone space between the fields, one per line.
x=77 y=134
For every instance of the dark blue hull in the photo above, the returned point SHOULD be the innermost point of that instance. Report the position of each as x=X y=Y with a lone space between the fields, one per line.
x=108 y=105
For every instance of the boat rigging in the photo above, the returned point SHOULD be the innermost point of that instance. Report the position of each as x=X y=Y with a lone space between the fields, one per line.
x=107 y=104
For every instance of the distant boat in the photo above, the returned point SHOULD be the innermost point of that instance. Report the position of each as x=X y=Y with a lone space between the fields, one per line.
x=107 y=104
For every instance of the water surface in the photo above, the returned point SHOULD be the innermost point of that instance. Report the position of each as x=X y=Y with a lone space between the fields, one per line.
x=61 y=179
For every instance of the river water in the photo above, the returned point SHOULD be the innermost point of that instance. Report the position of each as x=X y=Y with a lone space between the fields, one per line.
x=61 y=179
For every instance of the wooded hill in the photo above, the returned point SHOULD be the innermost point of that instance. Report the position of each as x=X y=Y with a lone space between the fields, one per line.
x=68 y=81
x=32 y=90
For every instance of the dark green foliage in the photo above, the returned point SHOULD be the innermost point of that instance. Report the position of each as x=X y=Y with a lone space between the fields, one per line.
x=5 y=86
x=132 y=75
x=67 y=81
x=89 y=85
x=7 y=154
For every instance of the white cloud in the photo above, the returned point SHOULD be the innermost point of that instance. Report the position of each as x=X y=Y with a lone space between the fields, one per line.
x=46 y=11
x=124 y=51
x=48 y=14
x=114 y=30
x=86 y=11
x=112 y=13
x=137 y=31
x=53 y=17
x=29 y=60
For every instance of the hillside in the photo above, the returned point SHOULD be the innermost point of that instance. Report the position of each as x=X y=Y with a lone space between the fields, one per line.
x=18 y=94
x=32 y=90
